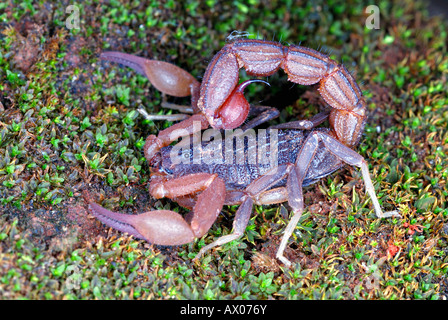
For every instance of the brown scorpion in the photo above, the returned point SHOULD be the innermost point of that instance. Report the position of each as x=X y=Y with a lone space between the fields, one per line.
x=305 y=153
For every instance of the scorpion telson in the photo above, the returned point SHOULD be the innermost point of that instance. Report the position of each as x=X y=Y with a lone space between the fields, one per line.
x=305 y=153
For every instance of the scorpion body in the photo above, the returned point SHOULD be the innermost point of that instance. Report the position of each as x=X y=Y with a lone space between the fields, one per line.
x=305 y=153
x=238 y=176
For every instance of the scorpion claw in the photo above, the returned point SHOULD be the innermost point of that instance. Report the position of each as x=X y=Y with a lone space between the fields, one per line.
x=166 y=77
x=162 y=227
x=115 y=220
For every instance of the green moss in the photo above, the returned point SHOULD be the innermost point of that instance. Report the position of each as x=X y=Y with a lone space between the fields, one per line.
x=68 y=122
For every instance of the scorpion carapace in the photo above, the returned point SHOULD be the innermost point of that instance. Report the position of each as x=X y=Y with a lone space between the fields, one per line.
x=311 y=152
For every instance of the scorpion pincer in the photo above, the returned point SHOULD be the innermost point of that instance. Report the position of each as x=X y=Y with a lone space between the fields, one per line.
x=305 y=152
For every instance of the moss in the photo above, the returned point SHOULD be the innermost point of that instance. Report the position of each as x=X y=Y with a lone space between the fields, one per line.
x=68 y=122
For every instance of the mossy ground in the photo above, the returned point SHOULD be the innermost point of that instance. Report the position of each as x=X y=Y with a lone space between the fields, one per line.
x=68 y=123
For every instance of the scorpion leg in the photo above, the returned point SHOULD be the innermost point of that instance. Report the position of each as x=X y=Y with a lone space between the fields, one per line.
x=304 y=124
x=244 y=212
x=239 y=226
x=263 y=114
x=353 y=158
x=162 y=117
x=296 y=177
x=178 y=107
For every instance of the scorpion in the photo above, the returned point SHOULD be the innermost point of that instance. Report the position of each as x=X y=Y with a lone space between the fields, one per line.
x=306 y=153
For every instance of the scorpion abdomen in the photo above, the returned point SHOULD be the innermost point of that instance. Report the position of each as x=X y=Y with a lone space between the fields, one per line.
x=240 y=163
